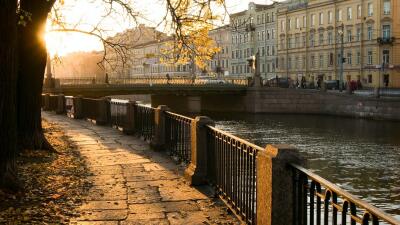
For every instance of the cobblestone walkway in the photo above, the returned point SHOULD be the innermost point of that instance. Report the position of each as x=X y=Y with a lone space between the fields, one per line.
x=135 y=185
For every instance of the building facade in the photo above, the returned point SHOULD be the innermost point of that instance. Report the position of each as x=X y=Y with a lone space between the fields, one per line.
x=220 y=64
x=312 y=34
x=254 y=30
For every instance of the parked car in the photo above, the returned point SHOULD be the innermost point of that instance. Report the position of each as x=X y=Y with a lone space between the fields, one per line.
x=331 y=84
x=273 y=82
x=210 y=80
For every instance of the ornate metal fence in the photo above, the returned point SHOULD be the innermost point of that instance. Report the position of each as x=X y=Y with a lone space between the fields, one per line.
x=178 y=136
x=232 y=169
x=90 y=108
x=118 y=112
x=144 y=121
x=319 y=201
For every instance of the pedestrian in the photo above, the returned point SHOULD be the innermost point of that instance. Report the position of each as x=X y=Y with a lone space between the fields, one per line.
x=168 y=78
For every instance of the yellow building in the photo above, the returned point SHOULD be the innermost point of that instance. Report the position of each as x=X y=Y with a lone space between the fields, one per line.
x=310 y=34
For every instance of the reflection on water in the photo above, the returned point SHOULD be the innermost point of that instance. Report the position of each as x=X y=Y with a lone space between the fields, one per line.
x=361 y=156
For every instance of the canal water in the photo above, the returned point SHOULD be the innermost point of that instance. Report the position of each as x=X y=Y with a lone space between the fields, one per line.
x=361 y=156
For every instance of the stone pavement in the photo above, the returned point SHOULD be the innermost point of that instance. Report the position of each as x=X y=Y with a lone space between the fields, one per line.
x=135 y=185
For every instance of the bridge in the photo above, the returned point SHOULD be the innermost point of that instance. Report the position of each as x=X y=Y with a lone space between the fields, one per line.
x=148 y=85
x=260 y=185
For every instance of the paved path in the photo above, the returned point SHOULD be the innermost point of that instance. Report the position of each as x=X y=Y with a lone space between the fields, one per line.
x=135 y=185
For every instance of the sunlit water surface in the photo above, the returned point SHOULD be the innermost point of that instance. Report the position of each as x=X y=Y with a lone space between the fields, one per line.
x=361 y=156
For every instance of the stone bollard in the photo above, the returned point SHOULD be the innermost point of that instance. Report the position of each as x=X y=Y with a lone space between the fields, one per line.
x=46 y=106
x=275 y=184
x=103 y=111
x=60 y=104
x=77 y=107
x=129 y=123
x=196 y=173
x=158 y=142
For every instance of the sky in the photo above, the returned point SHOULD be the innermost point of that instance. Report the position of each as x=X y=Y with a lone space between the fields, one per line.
x=88 y=13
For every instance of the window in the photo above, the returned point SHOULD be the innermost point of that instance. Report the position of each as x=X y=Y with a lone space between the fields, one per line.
x=297 y=23
x=330 y=17
x=263 y=18
x=290 y=40
x=385 y=56
x=304 y=40
x=386 y=7
x=321 y=61
x=304 y=62
x=321 y=18
x=289 y=62
x=358 y=37
x=296 y=63
x=262 y=35
x=370 y=9
x=268 y=20
x=349 y=13
x=330 y=37
x=268 y=50
x=273 y=50
x=386 y=31
x=331 y=59
x=312 y=61
x=369 y=32
x=282 y=26
x=263 y=51
x=272 y=33
x=349 y=58
x=289 y=24
x=339 y=15
x=268 y=35
x=358 y=61
x=349 y=37
x=312 y=41
x=282 y=43
x=258 y=19
x=358 y=11
x=312 y=20
x=321 y=38
x=369 y=57
x=272 y=17
x=369 y=78
x=297 y=42
x=304 y=21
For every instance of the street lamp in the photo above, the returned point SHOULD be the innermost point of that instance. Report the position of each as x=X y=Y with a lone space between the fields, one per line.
x=341 y=33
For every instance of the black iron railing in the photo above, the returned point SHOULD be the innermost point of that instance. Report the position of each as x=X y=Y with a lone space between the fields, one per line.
x=53 y=102
x=318 y=201
x=178 y=136
x=90 y=108
x=118 y=112
x=144 y=121
x=232 y=169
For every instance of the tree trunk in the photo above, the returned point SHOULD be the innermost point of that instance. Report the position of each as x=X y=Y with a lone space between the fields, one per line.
x=32 y=63
x=8 y=81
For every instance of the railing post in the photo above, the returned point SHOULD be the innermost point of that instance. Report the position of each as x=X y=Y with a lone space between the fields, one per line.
x=103 y=111
x=158 y=142
x=275 y=185
x=60 y=104
x=129 y=123
x=196 y=173
x=46 y=106
x=77 y=107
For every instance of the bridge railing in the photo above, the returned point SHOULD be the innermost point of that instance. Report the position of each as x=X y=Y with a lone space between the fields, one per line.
x=178 y=136
x=260 y=185
x=180 y=81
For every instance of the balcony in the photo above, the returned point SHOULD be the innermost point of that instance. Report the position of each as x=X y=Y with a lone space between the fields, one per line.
x=385 y=40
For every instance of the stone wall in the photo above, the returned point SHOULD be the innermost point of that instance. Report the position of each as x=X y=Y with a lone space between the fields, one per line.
x=278 y=100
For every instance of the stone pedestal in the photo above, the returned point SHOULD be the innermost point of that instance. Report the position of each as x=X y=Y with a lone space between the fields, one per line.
x=275 y=184
x=129 y=123
x=196 y=173
x=158 y=142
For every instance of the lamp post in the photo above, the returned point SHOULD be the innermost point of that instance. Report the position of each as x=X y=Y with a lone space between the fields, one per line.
x=341 y=33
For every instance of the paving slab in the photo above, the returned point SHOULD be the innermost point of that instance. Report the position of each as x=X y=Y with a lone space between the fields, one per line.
x=131 y=184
